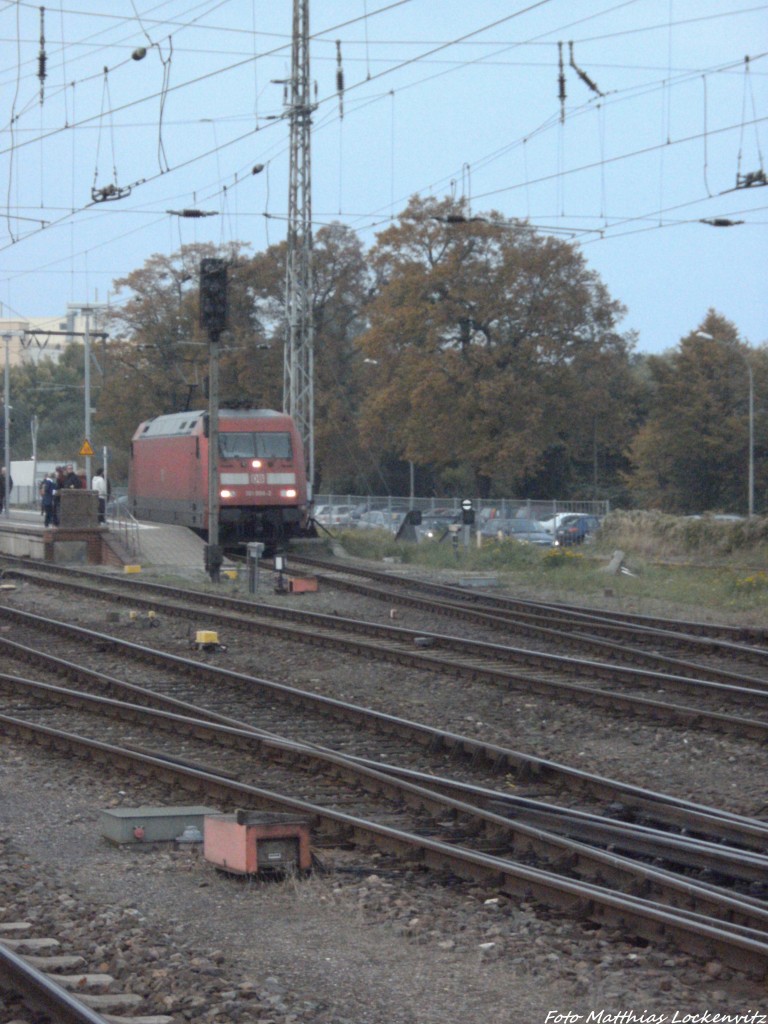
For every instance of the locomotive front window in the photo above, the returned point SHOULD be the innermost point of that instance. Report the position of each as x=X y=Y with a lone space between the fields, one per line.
x=236 y=446
x=274 y=445
x=248 y=445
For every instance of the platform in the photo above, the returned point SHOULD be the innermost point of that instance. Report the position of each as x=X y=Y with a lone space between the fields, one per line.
x=173 y=549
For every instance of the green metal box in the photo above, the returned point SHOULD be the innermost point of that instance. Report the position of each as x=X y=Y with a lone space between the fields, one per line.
x=151 y=824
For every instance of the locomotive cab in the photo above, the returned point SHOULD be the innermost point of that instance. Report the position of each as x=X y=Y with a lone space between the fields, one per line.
x=262 y=479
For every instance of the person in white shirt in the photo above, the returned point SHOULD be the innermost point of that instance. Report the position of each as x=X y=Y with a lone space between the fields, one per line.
x=99 y=484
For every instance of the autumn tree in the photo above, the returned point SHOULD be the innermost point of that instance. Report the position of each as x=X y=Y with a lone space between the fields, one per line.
x=497 y=352
x=157 y=360
x=692 y=453
x=338 y=302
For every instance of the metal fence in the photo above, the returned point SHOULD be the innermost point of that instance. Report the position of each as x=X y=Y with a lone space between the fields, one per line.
x=122 y=523
x=502 y=508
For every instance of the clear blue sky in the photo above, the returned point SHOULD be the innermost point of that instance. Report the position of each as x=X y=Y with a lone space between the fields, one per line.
x=441 y=97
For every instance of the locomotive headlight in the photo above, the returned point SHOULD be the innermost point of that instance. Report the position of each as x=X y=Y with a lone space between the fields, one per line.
x=226 y=493
x=288 y=493
x=256 y=463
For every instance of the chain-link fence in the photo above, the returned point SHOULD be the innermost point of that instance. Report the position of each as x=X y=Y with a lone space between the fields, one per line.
x=354 y=505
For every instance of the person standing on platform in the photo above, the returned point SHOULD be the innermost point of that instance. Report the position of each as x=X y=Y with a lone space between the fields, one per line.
x=58 y=480
x=5 y=492
x=99 y=484
x=71 y=479
x=48 y=498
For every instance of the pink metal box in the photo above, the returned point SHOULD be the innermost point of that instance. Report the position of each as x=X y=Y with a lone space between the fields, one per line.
x=255 y=842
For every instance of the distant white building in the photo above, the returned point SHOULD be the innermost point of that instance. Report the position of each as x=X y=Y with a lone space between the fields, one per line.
x=38 y=338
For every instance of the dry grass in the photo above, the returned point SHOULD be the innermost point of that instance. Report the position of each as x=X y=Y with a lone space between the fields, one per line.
x=677 y=567
x=704 y=540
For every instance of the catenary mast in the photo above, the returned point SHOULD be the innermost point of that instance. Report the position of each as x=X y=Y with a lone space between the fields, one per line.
x=298 y=381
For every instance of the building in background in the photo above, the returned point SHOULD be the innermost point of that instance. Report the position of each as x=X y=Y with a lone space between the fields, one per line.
x=38 y=338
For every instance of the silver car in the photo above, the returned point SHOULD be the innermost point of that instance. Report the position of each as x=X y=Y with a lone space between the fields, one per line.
x=333 y=515
x=528 y=531
x=378 y=519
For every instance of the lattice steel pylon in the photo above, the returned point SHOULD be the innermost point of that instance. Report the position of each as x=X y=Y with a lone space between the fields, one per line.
x=298 y=381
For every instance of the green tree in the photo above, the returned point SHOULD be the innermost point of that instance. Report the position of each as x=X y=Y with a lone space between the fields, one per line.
x=498 y=354
x=54 y=393
x=691 y=454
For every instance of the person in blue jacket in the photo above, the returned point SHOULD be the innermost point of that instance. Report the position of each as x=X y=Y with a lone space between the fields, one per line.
x=47 y=496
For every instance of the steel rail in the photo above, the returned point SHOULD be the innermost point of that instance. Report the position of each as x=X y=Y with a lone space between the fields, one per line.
x=742 y=949
x=326 y=630
x=535 y=623
x=661 y=807
x=17 y=975
x=480 y=615
x=593 y=828
x=565 y=611
x=681 y=848
x=578 y=858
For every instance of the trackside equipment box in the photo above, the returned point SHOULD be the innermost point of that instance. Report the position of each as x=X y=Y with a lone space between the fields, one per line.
x=151 y=824
x=254 y=842
x=302 y=584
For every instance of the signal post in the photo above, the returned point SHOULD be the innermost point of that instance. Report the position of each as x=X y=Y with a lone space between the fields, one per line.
x=213 y=319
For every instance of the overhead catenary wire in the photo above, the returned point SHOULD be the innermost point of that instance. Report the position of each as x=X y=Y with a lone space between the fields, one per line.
x=532 y=180
x=396 y=67
x=114 y=190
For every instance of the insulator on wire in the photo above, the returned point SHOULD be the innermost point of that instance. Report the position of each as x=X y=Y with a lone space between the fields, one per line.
x=561 y=81
x=582 y=74
x=42 y=58
x=339 y=79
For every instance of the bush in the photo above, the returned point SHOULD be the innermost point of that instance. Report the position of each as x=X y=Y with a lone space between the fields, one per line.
x=555 y=558
x=757 y=583
x=657 y=535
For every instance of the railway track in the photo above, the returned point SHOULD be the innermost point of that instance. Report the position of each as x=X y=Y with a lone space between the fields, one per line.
x=486 y=815
x=600 y=621
x=34 y=975
x=297 y=714
x=586 y=846
x=635 y=639
x=66 y=959
x=746 y=947
x=543 y=844
x=721 y=699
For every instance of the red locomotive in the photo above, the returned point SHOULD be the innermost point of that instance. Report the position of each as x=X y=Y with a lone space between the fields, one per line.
x=262 y=478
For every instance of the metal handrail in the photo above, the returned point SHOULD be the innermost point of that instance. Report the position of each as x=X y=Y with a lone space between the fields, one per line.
x=126 y=526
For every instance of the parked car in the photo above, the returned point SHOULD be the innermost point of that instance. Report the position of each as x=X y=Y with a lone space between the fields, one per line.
x=333 y=515
x=575 y=529
x=378 y=519
x=434 y=525
x=551 y=524
x=527 y=531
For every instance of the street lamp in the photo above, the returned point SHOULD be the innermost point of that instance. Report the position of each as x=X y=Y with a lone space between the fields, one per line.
x=751 y=407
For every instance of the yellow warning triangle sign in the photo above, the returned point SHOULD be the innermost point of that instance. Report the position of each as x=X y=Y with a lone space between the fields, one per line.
x=86 y=449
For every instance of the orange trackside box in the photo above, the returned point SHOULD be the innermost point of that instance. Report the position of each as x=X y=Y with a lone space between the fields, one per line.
x=255 y=842
x=302 y=584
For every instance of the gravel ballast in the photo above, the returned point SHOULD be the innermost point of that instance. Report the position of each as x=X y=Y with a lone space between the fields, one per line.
x=363 y=941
